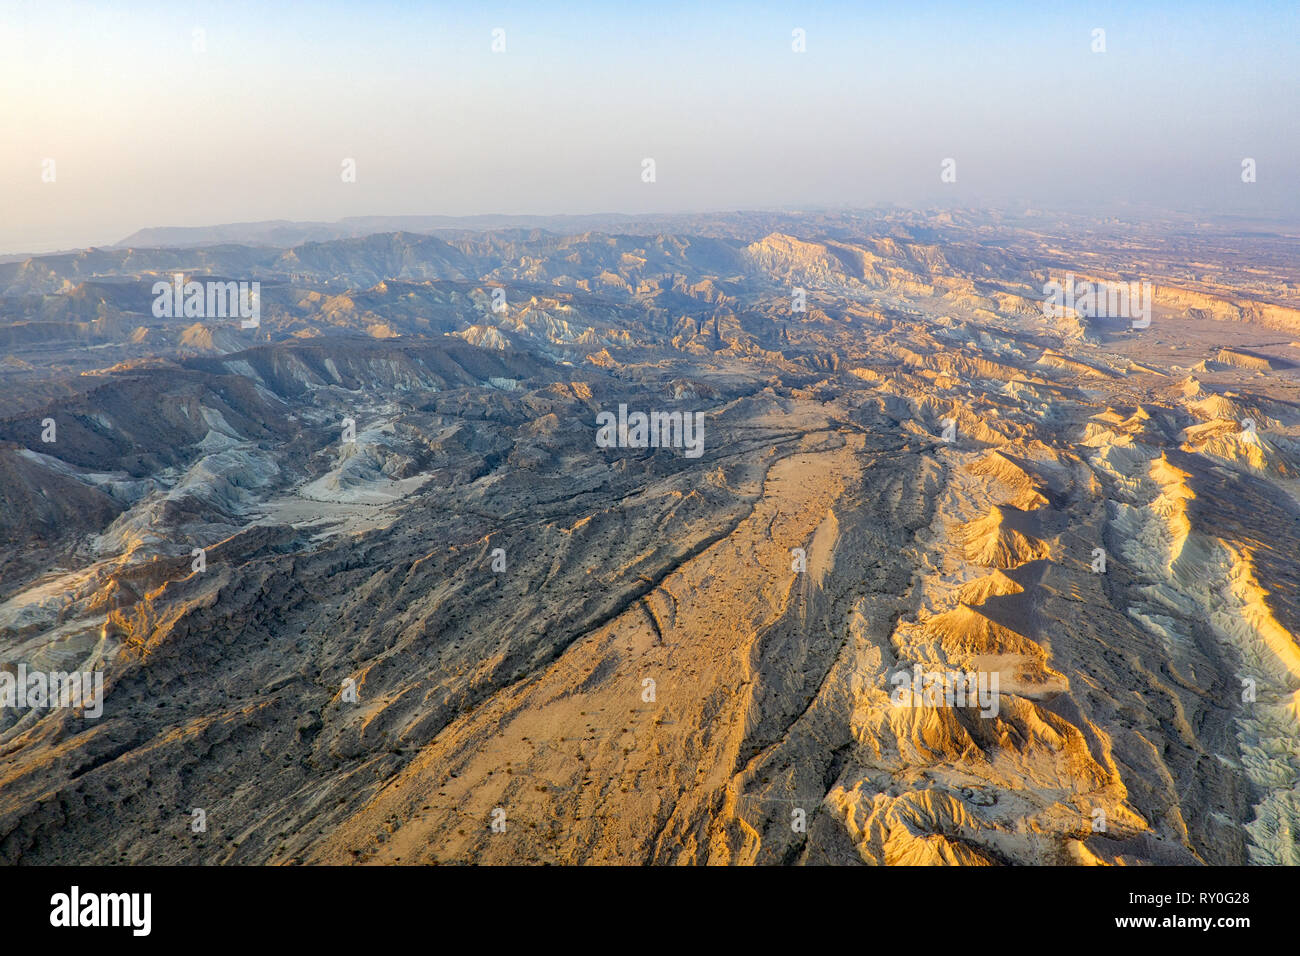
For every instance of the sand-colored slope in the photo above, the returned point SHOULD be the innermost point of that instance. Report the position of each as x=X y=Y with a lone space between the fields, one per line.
x=584 y=768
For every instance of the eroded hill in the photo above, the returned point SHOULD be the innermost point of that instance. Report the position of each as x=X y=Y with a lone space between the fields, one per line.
x=365 y=587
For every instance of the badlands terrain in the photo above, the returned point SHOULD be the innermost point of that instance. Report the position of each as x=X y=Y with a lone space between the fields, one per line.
x=364 y=588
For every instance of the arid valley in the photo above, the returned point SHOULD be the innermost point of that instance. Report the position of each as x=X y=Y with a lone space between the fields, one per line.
x=364 y=586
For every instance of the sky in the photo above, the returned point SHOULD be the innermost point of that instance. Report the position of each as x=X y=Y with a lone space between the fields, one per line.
x=150 y=123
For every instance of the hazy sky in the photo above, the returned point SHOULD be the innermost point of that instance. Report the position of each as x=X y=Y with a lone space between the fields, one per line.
x=147 y=130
